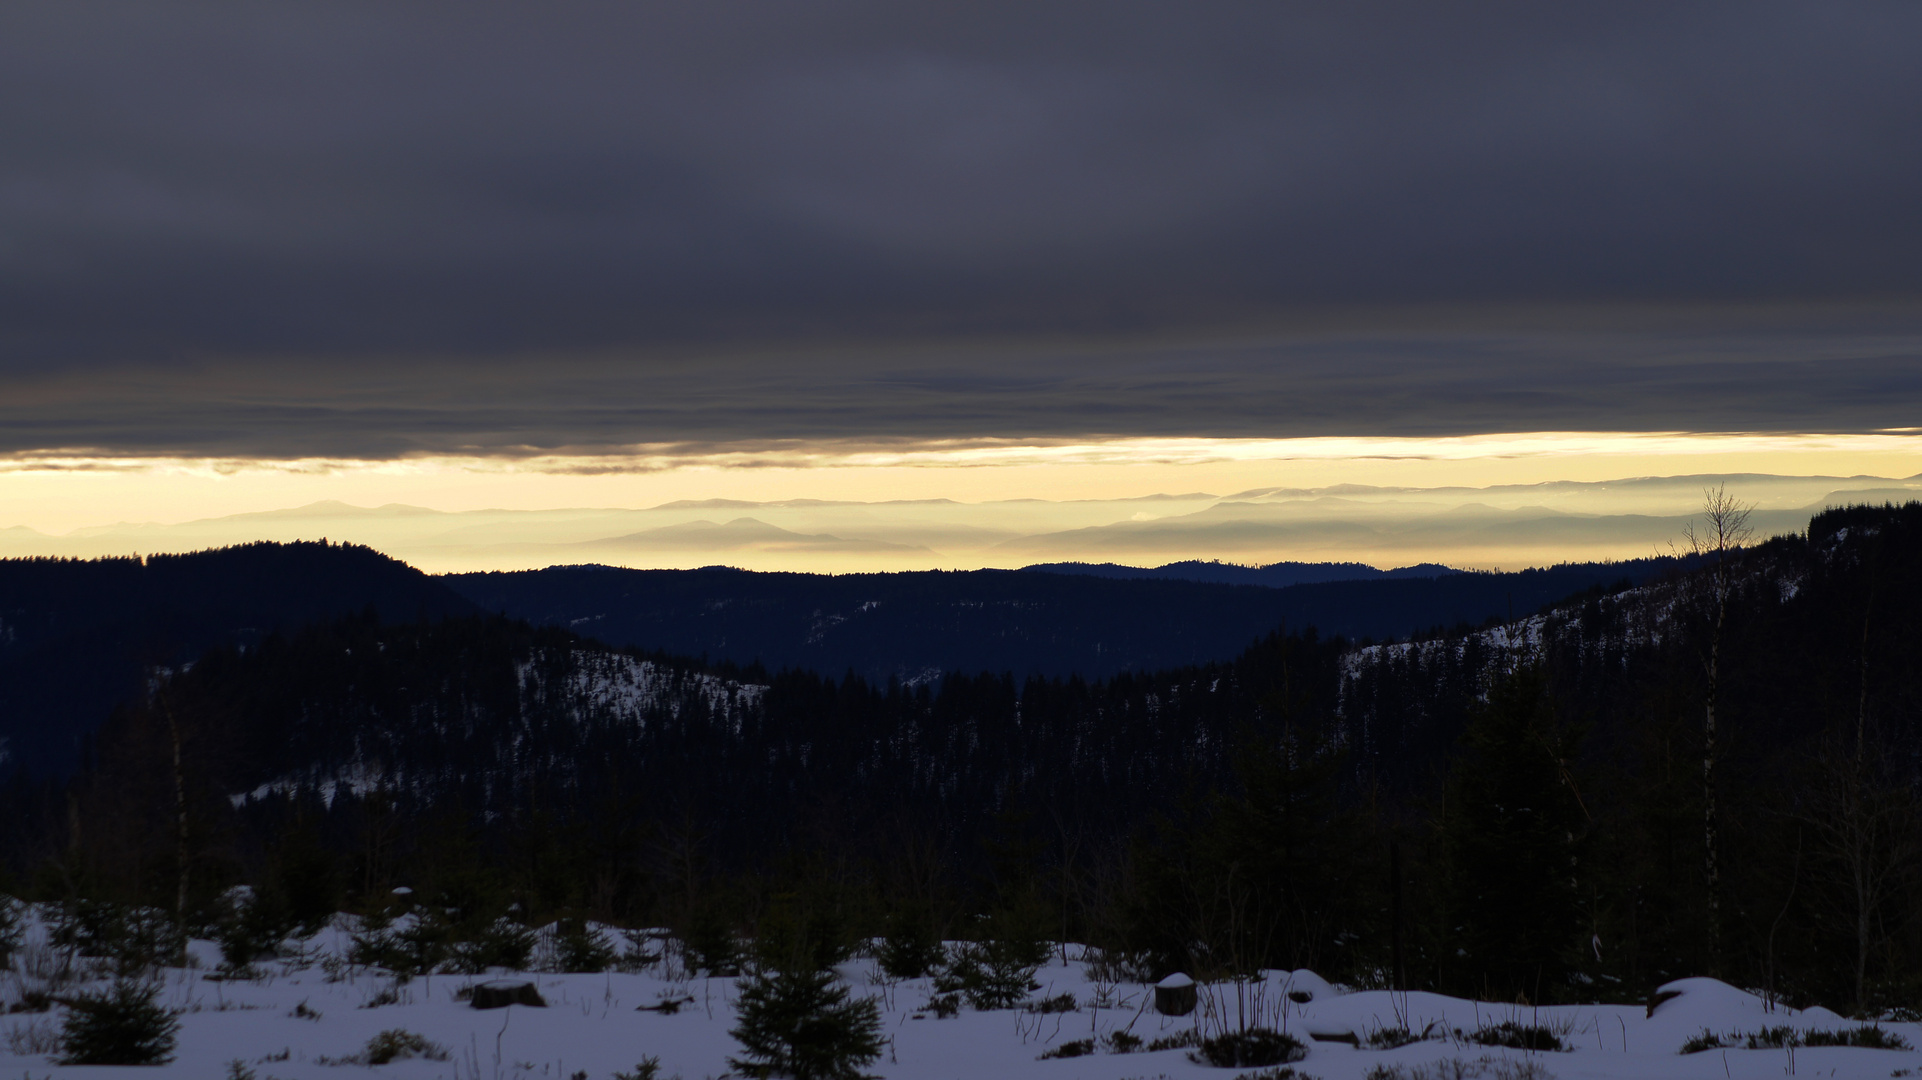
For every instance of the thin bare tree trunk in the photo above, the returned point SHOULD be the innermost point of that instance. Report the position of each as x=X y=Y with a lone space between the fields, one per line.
x=1711 y=862
x=1724 y=531
x=181 y=845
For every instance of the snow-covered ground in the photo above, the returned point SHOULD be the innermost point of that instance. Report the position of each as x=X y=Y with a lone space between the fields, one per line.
x=296 y=1014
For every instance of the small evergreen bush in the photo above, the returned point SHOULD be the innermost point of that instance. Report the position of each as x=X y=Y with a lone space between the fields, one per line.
x=994 y=974
x=123 y=1026
x=502 y=943
x=579 y=947
x=792 y=935
x=417 y=947
x=136 y=940
x=709 y=944
x=911 y=949
x=254 y=926
x=648 y=1068
x=800 y=1024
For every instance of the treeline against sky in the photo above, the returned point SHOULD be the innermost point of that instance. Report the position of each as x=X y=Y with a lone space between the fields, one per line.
x=1473 y=814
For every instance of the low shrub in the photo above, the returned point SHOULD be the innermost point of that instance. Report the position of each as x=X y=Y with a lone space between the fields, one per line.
x=1867 y=1036
x=389 y=995
x=1279 y=1072
x=1180 y=1040
x=1391 y=1038
x=396 y=1044
x=1252 y=1047
x=1707 y=1040
x=32 y=1038
x=1775 y=1038
x=1118 y=966
x=1516 y=1036
x=1460 y=1069
x=123 y=1026
x=1075 y=1049
x=1060 y=1003
x=11 y=930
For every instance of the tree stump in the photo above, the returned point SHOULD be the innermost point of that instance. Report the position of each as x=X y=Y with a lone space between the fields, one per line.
x=504 y=992
x=1175 y=995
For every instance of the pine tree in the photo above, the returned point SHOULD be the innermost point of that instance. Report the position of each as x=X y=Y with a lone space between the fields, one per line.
x=1514 y=829
x=800 y=1024
x=911 y=947
x=126 y=1026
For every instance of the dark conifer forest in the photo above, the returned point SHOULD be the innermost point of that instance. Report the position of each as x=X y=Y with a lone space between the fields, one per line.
x=1520 y=810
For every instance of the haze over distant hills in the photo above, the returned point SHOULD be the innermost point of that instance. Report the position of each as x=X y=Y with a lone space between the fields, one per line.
x=1275 y=575
x=1498 y=527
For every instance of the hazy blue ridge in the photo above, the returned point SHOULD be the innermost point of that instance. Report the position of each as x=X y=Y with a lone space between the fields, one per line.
x=1274 y=575
x=918 y=625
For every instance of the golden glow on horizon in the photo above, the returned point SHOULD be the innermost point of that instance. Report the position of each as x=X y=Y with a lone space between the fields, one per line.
x=55 y=492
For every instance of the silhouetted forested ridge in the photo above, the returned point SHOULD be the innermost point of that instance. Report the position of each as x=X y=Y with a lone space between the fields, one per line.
x=1273 y=575
x=77 y=636
x=1515 y=811
x=916 y=625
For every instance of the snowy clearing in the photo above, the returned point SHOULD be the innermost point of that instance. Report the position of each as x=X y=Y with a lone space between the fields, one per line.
x=299 y=1018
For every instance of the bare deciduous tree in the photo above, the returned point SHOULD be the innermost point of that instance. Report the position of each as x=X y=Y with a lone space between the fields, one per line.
x=1864 y=822
x=1722 y=533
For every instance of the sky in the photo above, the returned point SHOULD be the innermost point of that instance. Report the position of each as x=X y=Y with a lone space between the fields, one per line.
x=532 y=259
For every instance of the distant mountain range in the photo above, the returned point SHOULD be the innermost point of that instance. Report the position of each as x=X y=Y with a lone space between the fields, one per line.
x=1274 y=576
x=78 y=637
x=1090 y=621
x=1503 y=526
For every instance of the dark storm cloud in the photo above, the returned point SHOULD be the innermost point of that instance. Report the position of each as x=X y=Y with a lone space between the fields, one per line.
x=1422 y=380
x=620 y=188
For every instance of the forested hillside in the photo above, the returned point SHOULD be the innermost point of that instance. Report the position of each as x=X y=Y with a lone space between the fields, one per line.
x=914 y=626
x=78 y=636
x=1392 y=813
